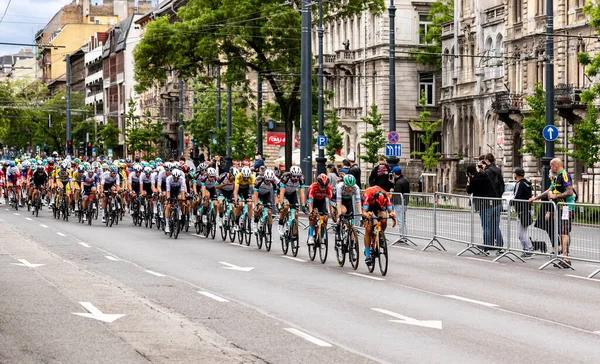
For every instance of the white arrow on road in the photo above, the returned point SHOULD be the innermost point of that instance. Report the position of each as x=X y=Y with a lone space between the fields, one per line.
x=235 y=267
x=96 y=314
x=432 y=324
x=25 y=263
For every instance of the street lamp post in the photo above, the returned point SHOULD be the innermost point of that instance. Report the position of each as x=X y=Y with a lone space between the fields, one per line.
x=306 y=94
x=549 y=153
x=259 y=128
x=321 y=158
x=392 y=161
x=180 y=129
x=228 y=157
x=218 y=71
x=68 y=60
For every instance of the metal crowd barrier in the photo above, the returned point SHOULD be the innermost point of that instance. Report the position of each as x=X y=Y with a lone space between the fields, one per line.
x=453 y=221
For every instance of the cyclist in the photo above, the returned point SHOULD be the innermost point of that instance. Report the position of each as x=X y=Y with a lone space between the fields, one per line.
x=77 y=178
x=319 y=194
x=110 y=182
x=288 y=193
x=208 y=184
x=13 y=180
x=39 y=178
x=64 y=180
x=175 y=190
x=263 y=195
x=376 y=203
x=225 y=191
x=134 y=183
x=243 y=181
x=345 y=191
x=147 y=184
x=88 y=184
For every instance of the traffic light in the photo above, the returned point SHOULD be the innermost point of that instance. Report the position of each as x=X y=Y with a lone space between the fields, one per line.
x=81 y=148
x=69 y=147
x=89 y=149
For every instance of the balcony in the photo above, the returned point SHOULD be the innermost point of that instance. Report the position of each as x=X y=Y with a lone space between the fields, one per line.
x=448 y=29
x=344 y=57
x=353 y=113
x=567 y=100
x=328 y=60
x=94 y=78
x=98 y=98
x=495 y=15
x=508 y=107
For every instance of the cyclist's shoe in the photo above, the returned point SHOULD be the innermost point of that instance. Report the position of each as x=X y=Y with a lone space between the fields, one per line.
x=220 y=221
x=369 y=260
x=254 y=227
x=167 y=228
x=103 y=219
x=280 y=229
x=192 y=219
x=311 y=241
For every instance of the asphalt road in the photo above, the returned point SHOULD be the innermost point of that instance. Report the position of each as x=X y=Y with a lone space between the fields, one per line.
x=183 y=303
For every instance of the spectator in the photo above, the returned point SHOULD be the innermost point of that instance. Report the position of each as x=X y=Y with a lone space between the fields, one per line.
x=495 y=175
x=420 y=188
x=381 y=175
x=346 y=44
x=220 y=165
x=522 y=194
x=354 y=168
x=258 y=162
x=482 y=189
x=342 y=172
x=201 y=158
x=400 y=191
x=561 y=191
x=332 y=175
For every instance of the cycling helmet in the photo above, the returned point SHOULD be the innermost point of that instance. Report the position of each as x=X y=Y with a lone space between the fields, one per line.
x=26 y=164
x=349 y=180
x=55 y=154
x=177 y=174
x=185 y=168
x=322 y=180
x=161 y=169
x=64 y=166
x=114 y=169
x=269 y=175
x=246 y=172
x=211 y=172
x=137 y=167
x=380 y=198
x=40 y=167
x=11 y=163
x=148 y=170
x=234 y=171
x=81 y=169
x=128 y=160
x=17 y=160
x=202 y=166
x=77 y=160
x=158 y=160
x=14 y=170
x=296 y=171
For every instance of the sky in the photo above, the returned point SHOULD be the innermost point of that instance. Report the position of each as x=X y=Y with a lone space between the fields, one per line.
x=24 y=18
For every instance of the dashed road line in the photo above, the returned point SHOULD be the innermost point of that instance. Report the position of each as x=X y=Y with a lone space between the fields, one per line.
x=366 y=276
x=16 y=214
x=294 y=258
x=111 y=258
x=213 y=296
x=85 y=245
x=154 y=273
x=308 y=337
x=487 y=304
x=480 y=260
x=28 y=219
x=61 y=234
x=44 y=226
x=402 y=247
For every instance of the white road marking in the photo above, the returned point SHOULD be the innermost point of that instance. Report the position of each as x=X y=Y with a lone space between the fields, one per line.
x=25 y=263
x=432 y=324
x=61 y=234
x=16 y=214
x=44 y=226
x=85 y=245
x=366 y=276
x=96 y=314
x=235 y=267
x=402 y=247
x=481 y=260
x=308 y=337
x=241 y=245
x=597 y=332
x=580 y=277
x=154 y=273
x=487 y=304
x=213 y=296
x=111 y=258
x=6 y=209
x=28 y=219
x=294 y=258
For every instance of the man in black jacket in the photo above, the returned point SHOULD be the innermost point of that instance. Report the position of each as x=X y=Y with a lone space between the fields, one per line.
x=495 y=174
x=522 y=194
x=380 y=176
x=399 y=194
x=354 y=168
x=480 y=186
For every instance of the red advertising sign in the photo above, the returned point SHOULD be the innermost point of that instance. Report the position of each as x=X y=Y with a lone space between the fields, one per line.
x=278 y=139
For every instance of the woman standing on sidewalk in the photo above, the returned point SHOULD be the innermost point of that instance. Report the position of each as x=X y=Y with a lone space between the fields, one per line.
x=522 y=194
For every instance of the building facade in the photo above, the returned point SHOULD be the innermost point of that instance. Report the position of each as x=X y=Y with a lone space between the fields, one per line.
x=356 y=67
x=94 y=79
x=472 y=77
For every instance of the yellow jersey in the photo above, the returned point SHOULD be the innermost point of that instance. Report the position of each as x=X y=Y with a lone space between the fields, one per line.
x=63 y=176
x=244 y=182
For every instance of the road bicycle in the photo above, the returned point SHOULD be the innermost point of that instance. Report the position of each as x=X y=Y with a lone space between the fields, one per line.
x=265 y=229
x=321 y=240
x=112 y=207
x=228 y=222
x=290 y=236
x=136 y=211
x=37 y=203
x=346 y=241
x=147 y=211
x=244 y=229
x=379 y=246
x=173 y=221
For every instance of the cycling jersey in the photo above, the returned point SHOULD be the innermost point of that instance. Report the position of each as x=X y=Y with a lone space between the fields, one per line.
x=317 y=194
x=39 y=178
x=134 y=177
x=343 y=194
x=244 y=182
x=78 y=177
x=225 y=182
x=207 y=182
x=144 y=179
x=161 y=180
x=89 y=181
x=290 y=185
x=108 y=180
x=371 y=205
x=561 y=182
x=175 y=187
x=64 y=176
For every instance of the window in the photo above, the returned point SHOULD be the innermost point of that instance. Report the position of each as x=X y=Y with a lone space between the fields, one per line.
x=540 y=7
x=580 y=68
x=517 y=11
x=424 y=25
x=426 y=86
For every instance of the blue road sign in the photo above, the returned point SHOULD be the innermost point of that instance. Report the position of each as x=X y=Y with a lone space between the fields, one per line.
x=550 y=133
x=93 y=150
x=321 y=141
x=393 y=137
x=393 y=150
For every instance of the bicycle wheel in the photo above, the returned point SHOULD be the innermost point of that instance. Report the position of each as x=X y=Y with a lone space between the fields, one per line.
x=295 y=238
x=371 y=267
x=324 y=246
x=312 y=249
x=223 y=229
x=176 y=227
x=340 y=252
x=248 y=235
x=285 y=243
x=383 y=254
x=268 y=237
x=353 y=247
x=206 y=226
x=213 y=225
x=231 y=227
x=260 y=235
x=242 y=229
x=187 y=223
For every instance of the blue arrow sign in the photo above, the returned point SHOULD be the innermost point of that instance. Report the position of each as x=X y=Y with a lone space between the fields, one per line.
x=93 y=150
x=550 y=133
x=393 y=150
x=321 y=141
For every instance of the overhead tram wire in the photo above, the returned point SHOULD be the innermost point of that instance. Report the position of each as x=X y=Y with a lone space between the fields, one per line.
x=5 y=10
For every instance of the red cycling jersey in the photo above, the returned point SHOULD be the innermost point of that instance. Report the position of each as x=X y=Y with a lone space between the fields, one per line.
x=317 y=194
x=369 y=204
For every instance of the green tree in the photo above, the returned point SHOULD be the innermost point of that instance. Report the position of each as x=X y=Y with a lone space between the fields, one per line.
x=241 y=35
x=533 y=140
x=587 y=133
x=110 y=135
x=428 y=129
x=142 y=131
x=429 y=53
x=374 y=140
x=334 y=137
